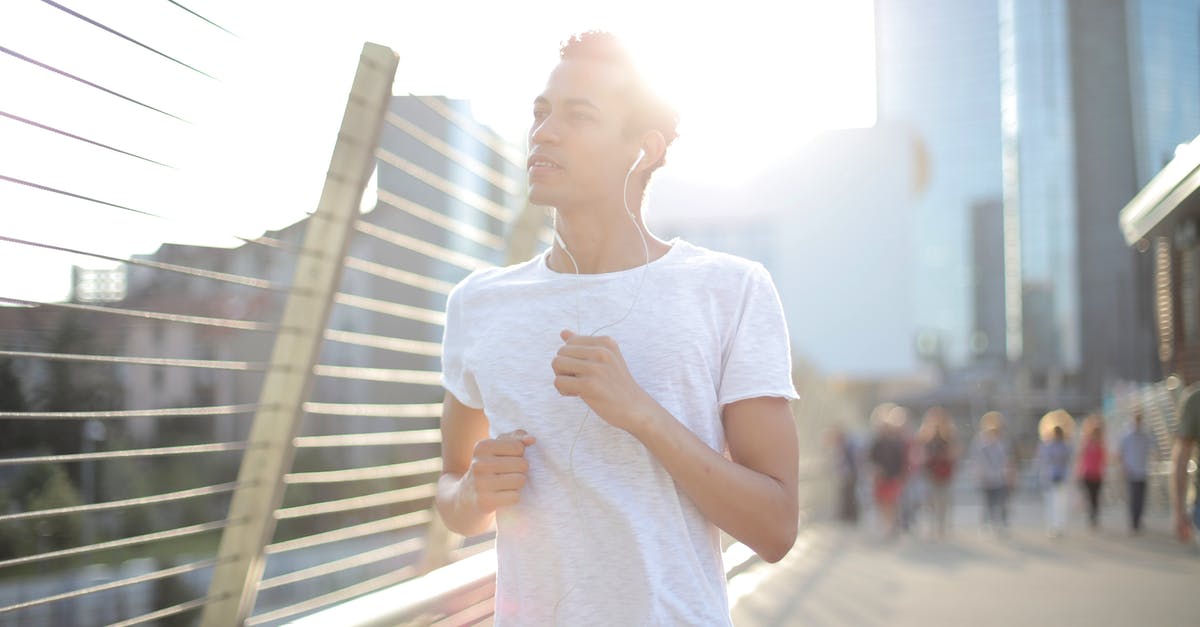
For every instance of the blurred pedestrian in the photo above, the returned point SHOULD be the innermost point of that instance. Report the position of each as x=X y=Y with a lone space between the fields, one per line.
x=1181 y=457
x=889 y=457
x=845 y=453
x=1093 y=457
x=1054 y=466
x=993 y=462
x=1134 y=451
x=912 y=493
x=938 y=441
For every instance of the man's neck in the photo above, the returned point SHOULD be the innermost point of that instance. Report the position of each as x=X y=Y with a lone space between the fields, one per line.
x=603 y=240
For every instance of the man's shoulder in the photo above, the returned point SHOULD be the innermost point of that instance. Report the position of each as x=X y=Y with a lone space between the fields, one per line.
x=699 y=256
x=724 y=274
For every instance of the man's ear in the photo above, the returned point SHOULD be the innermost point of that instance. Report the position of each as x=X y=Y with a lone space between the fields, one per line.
x=655 y=147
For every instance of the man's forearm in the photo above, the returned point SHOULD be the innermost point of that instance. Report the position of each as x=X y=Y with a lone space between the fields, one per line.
x=456 y=509
x=755 y=508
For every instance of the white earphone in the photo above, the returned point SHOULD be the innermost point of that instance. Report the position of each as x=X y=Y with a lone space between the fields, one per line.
x=641 y=155
x=578 y=325
x=558 y=237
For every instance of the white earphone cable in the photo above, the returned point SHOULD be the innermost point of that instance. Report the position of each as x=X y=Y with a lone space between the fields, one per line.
x=578 y=318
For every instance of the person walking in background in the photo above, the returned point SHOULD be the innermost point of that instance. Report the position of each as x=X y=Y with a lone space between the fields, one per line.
x=1093 y=457
x=993 y=462
x=1134 y=451
x=845 y=454
x=939 y=449
x=1054 y=464
x=889 y=457
x=912 y=494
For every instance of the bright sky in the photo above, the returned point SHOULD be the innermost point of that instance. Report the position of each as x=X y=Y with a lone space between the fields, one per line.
x=752 y=80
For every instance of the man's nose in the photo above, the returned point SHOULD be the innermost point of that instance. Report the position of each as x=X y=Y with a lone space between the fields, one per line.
x=545 y=132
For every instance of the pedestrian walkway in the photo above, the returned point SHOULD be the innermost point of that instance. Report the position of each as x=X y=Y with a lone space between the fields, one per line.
x=838 y=576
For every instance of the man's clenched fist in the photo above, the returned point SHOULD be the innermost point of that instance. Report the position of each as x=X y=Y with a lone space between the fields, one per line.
x=498 y=471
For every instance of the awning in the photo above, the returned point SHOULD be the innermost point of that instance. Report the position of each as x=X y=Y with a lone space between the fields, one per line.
x=1170 y=195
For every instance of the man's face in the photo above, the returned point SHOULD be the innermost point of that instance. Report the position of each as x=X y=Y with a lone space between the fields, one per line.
x=578 y=150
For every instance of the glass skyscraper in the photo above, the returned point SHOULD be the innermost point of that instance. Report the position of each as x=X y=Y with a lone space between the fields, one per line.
x=938 y=71
x=1063 y=110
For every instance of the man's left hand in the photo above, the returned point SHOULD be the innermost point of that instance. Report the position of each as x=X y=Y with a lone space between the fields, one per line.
x=592 y=368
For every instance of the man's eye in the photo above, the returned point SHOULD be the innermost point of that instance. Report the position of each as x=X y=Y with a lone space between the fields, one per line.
x=538 y=114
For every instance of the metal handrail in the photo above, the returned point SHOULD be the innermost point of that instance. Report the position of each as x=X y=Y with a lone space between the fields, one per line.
x=397 y=275
x=433 y=251
x=399 y=345
x=483 y=135
x=389 y=471
x=457 y=227
x=390 y=551
x=472 y=199
x=113 y=585
x=123 y=542
x=399 y=310
x=391 y=497
x=395 y=523
x=225 y=323
x=169 y=497
x=403 y=410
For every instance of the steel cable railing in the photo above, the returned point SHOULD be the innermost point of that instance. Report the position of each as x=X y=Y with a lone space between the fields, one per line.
x=113 y=585
x=468 y=197
x=170 y=412
x=125 y=37
x=50 y=68
x=485 y=136
x=358 y=499
x=114 y=544
x=416 y=493
x=457 y=227
x=205 y=19
x=505 y=183
x=433 y=251
x=47 y=127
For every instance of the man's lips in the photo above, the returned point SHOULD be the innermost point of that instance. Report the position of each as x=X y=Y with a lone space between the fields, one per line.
x=542 y=163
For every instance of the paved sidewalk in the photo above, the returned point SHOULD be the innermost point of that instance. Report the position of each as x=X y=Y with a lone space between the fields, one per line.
x=837 y=576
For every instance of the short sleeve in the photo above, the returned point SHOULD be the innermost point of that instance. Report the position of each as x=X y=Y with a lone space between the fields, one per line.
x=457 y=377
x=758 y=357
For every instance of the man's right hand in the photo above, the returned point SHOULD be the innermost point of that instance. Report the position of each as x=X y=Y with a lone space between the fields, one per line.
x=498 y=471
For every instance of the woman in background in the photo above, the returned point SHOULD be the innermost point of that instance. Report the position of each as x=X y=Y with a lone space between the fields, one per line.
x=1093 y=457
x=938 y=440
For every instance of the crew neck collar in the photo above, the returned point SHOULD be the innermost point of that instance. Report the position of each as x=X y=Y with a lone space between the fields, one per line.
x=544 y=264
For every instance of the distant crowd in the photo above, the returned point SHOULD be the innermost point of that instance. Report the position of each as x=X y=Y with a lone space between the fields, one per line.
x=906 y=469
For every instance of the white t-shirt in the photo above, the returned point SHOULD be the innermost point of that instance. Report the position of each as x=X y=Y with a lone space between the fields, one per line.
x=602 y=535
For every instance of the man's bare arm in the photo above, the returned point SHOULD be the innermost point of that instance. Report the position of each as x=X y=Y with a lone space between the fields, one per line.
x=479 y=474
x=1180 y=457
x=753 y=497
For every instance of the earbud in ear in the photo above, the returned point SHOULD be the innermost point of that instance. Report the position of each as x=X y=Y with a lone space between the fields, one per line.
x=641 y=155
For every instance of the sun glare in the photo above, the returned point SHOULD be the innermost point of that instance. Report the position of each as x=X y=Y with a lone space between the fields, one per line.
x=751 y=84
x=750 y=91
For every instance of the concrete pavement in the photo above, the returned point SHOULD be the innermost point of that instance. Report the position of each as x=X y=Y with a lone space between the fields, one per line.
x=837 y=576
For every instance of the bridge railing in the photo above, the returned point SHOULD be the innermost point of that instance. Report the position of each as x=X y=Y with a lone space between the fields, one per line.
x=243 y=433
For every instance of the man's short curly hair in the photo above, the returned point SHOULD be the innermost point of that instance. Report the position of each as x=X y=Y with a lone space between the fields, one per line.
x=648 y=111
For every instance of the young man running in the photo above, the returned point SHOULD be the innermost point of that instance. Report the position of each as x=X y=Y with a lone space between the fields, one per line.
x=614 y=401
